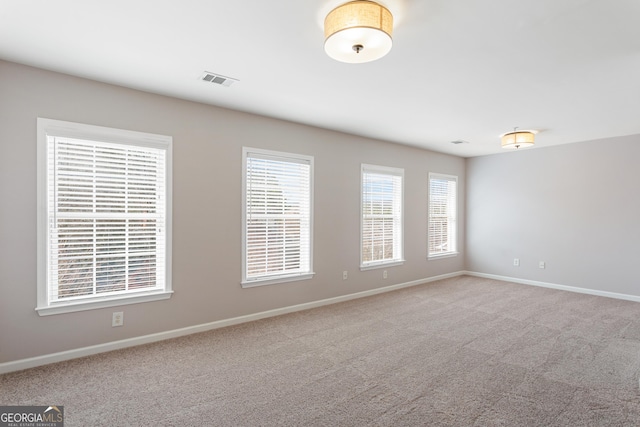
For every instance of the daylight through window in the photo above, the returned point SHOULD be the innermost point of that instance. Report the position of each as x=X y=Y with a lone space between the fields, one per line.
x=105 y=212
x=442 y=215
x=382 y=228
x=277 y=217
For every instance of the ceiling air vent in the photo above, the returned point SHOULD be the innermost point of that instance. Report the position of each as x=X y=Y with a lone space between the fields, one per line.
x=459 y=141
x=218 y=79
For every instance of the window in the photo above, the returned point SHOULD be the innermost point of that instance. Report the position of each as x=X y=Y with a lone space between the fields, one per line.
x=104 y=217
x=442 y=215
x=277 y=220
x=381 y=225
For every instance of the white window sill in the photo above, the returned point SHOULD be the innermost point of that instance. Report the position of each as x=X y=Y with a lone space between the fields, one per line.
x=443 y=255
x=276 y=279
x=95 y=303
x=381 y=265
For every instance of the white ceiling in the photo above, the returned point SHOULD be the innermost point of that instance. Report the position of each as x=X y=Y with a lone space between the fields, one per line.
x=459 y=69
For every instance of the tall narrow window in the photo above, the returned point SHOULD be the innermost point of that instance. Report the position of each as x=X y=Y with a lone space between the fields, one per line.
x=277 y=217
x=104 y=209
x=442 y=234
x=381 y=225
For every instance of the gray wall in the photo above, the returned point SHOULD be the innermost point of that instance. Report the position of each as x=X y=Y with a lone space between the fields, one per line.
x=206 y=209
x=574 y=206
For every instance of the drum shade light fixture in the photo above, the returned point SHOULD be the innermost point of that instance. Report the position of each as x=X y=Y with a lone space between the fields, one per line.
x=518 y=139
x=358 y=31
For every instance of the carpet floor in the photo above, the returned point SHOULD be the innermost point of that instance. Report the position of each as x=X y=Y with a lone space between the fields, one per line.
x=463 y=351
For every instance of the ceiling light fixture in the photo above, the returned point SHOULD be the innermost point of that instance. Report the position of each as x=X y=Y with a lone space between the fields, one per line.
x=358 y=31
x=518 y=138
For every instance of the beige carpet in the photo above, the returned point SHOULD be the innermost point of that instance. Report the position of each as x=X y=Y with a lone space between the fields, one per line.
x=458 y=352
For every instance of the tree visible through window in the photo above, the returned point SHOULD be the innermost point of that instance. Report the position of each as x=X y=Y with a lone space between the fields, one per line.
x=277 y=217
x=105 y=206
x=442 y=214
x=381 y=224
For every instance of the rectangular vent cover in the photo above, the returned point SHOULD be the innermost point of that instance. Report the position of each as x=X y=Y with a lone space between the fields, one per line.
x=218 y=79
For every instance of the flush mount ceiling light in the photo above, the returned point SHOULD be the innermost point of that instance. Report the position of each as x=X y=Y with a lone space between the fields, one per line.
x=518 y=138
x=358 y=31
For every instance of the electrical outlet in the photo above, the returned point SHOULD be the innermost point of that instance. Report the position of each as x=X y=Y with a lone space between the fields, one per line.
x=384 y=274
x=516 y=262
x=345 y=275
x=542 y=264
x=117 y=319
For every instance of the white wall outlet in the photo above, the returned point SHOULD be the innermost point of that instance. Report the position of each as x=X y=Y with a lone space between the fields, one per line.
x=117 y=319
x=516 y=262
x=345 y=275
x=384 y=274
x=541 y=264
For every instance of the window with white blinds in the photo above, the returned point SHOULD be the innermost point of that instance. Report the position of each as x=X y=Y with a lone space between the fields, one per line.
x=442 y=215
x=277 y=217
x=382 y=217
x=105 y=215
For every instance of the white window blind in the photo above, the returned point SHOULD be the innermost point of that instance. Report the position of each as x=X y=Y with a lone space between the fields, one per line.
x=106 y=220
x=382 y=228
x=442 y=214
x=278 y=222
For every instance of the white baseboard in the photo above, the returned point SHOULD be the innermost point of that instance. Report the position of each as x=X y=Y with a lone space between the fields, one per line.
x=46 y=359
x=615 y=295
x=146 y=339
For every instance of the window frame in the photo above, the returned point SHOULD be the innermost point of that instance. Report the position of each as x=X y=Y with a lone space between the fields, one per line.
x=62 y=129
x=399 y=259
x=450 y=253
x=270 y=279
